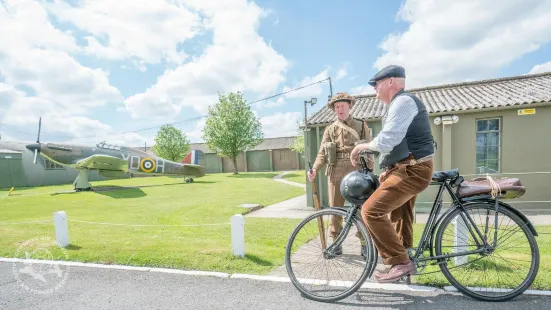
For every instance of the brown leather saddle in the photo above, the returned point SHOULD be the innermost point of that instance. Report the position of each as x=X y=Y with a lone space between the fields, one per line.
x=510 y=188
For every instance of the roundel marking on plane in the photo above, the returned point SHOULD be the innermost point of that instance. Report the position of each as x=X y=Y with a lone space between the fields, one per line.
x=147 y=164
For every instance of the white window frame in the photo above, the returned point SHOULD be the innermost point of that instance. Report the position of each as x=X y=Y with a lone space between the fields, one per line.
x=484 y=169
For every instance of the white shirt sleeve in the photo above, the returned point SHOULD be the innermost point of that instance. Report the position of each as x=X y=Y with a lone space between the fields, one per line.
x=400 y=115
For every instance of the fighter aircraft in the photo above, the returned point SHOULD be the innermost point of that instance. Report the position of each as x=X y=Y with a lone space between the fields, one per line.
x=114 y=161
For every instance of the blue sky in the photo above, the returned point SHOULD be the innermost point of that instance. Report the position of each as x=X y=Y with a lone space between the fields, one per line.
x=95 y=70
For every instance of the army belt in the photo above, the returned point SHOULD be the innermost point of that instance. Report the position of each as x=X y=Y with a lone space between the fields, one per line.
x=343 y=155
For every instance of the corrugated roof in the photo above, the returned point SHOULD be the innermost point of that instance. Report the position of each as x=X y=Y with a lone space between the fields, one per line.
x=4 y=151
x=267 y=144
x=476 y=95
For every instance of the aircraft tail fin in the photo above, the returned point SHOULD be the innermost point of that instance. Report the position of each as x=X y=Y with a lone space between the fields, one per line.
x=195 y=157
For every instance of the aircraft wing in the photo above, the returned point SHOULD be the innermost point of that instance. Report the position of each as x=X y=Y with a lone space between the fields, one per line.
x=193 y=170
x=103 y=162
x=193 y=165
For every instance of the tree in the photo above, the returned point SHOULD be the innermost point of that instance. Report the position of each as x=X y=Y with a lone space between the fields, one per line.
x=298 y=146
x=231 y=127
x=171 y=143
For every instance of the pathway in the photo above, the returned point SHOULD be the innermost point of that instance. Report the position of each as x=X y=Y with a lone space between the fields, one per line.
x=291 y=208
x=279 y=178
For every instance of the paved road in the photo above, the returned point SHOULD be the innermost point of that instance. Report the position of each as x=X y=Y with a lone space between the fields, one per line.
x=92 y=288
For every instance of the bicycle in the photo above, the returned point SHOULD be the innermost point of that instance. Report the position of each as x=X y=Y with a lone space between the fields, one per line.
x=432 y=241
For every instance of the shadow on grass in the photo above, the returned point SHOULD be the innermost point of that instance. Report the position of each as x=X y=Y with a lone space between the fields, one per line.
x=73 y=247
x=122 y=193
x=257 y=260
x=251 y=175
x=106 y=188
x=116 y=192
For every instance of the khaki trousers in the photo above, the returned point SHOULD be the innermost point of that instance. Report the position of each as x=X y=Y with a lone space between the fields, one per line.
x=396 y=196
x=336 y=200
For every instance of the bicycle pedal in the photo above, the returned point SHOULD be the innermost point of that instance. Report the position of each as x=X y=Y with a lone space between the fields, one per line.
x=405 y=279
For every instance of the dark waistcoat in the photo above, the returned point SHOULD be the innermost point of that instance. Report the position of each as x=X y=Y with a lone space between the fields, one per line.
x=418 y=140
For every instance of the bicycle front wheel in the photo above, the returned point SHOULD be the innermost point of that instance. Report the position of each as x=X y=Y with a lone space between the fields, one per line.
x=497 y=274
x=319 y=275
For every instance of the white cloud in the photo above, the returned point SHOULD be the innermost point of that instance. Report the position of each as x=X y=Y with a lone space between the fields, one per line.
x=149 y=31
x=342 y=72
x=544 y=67
x=281 y=124
x=196 y=135
x=452 y=41
x=362 y=90
x=270 y=103
x=42 y=79
x=310 y=91
x=237 y=59
x=4 y=136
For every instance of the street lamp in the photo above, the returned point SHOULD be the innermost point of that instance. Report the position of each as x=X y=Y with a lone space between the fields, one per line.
x=306 y=155
x=312 y=102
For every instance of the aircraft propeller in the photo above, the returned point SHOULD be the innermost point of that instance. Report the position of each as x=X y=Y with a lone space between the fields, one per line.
x=36 y=147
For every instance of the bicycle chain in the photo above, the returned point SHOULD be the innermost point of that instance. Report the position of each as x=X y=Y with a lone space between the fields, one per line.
x=440 y=271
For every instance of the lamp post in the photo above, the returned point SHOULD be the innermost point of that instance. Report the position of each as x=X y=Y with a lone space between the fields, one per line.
x=306 y=153
x=312 y=102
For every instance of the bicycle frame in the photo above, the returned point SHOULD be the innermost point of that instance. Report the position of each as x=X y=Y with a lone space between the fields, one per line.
x=434 y=220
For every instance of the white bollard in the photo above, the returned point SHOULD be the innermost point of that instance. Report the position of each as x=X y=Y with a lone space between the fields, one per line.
x=238 y=235
x=61 y=229
x=461 y=236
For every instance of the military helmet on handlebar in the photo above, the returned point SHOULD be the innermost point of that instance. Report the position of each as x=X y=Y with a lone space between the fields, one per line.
x=357 y=186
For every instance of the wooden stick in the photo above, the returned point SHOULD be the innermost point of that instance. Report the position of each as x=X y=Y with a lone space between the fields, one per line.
x=317 y=207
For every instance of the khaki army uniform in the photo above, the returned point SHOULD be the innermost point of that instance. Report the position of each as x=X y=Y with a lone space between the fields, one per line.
x=337 y=143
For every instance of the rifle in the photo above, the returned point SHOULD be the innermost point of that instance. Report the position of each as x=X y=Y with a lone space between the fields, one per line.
x=317 y=208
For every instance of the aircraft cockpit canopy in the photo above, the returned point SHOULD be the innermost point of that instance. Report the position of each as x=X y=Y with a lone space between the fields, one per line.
x=106 y=146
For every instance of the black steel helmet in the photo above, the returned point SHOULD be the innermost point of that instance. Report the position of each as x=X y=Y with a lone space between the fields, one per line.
x=357 y=186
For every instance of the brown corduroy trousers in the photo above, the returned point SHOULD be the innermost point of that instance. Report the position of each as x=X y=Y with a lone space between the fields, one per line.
x=396 y=196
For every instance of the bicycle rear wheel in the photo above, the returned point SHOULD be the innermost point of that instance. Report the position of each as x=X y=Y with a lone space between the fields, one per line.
x=326 y=277
x=499 y=274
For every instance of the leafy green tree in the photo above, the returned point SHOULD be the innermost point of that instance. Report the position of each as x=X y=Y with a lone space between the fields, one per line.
x=231 y=127
x=171 y=143
x=298 y=146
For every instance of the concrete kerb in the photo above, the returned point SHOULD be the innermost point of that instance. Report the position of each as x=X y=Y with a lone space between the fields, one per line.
x=368 y=285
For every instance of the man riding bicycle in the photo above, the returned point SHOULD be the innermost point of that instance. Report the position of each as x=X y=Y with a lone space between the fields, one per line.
x=406 y=149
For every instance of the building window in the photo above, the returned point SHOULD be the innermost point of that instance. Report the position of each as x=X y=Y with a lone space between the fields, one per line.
x=50 y=165
x=488 y=145
x=284 y=155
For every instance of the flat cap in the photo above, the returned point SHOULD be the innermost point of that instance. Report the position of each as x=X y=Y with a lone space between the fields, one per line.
x=342 y=96
x=386 y=72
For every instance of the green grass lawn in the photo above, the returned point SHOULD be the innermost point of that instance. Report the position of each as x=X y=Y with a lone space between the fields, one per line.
x=297 y=176
x=162 y=201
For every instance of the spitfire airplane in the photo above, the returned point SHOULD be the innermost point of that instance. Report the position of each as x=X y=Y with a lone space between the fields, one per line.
x=115 y=161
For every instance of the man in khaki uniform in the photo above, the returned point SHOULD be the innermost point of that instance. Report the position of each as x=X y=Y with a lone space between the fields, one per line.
x=339 y=138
